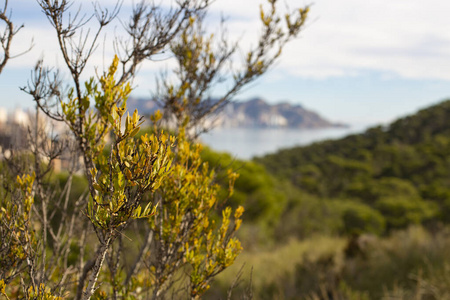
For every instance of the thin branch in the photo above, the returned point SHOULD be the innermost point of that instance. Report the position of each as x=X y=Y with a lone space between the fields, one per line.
x=7 y=36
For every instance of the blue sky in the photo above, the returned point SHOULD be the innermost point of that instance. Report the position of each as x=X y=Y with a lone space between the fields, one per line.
x=356 y=61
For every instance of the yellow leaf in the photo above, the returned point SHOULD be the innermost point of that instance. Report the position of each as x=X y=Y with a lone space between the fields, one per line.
x=239 y=211
x=128 y=174
x=97 y=187
x=156 y=116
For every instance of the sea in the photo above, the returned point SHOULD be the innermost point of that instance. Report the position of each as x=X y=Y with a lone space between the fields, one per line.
x=246 y=143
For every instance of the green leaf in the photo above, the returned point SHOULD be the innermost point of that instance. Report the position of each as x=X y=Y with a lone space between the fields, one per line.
x=135 y=131
x=97 y=187
x=90 y=205
x=85 y=103
x=147 y=209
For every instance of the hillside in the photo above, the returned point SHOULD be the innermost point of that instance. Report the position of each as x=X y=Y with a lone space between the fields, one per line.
x=349 y=216
x=255 y=113
x=398 y=175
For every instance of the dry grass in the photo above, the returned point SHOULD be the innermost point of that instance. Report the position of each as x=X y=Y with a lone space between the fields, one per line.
x=267 y=267
x=409 y=264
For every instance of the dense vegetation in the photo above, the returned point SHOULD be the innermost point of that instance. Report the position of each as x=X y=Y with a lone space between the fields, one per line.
x=386 y=178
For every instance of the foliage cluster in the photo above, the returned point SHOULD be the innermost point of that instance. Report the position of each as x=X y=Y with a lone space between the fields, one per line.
x=152 y=221
x=136 y=179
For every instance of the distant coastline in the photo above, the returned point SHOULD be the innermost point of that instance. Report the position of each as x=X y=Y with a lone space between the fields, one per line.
x=255 y=113
x=246 y=143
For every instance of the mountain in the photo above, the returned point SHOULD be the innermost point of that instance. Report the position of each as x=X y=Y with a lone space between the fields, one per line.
x=258 y=113
x=255 y=113
x=143 y=105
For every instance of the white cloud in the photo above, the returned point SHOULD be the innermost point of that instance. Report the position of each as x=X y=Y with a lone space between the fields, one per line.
x=408 y=38
x=401 y=37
